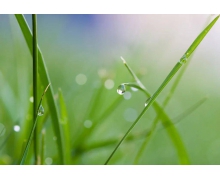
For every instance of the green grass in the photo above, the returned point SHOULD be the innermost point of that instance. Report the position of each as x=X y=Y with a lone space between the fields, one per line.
x=87 y=123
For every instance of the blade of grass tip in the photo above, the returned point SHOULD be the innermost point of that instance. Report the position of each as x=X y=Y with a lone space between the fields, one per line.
x=197 y=41
x=45 y=81
x=175 y=69
x=33 y=129
x=133 y=74
x=181 y=150
x=35 y=75
x=64 y=121
x=173 y=88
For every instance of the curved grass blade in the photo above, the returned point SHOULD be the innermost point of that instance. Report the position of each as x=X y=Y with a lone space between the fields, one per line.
x=182 y=154
x=166 y=101
x=163 y=85
x=45 y=81
x=64 y=121
x=33 y=129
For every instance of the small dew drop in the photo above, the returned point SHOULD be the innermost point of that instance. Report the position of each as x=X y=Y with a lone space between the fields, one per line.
x=183 y=59
x=48 y=161
x=54 y=138
x=17 y=128
x=88 y=124
x=40 y=111
x=147 y=101
x=121 y=89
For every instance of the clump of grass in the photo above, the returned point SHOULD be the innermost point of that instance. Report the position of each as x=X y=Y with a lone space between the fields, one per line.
x=175 y=69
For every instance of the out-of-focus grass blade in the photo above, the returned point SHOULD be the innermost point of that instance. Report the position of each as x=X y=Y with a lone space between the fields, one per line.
x=64 y=121
x=42 y=146
x=200 y=37
x=45 y=81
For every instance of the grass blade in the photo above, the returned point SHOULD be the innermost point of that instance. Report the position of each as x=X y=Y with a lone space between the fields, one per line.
x=200 y=37
x=45 y=81
x=64 y=121
x=166 y=101
x=35 y=75
x=172 y=131
x=33 y=129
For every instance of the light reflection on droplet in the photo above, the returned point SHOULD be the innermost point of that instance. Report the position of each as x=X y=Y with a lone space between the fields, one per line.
x=134 y=89
x=121 y=89
x=40 y=111
x=2 y=129
x=81 y=79
x=88 y=123
x=17 y=128
x=48 y=161
x=31 y=99
x=109 y=84
x=130 y=114
x=127 y=95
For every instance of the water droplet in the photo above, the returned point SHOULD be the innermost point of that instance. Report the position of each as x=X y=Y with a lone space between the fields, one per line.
x=147 y=101
x=48 y=161
x=40 y=111
x=109 y=84
x=17 y=128
x=88 y=123
x=183 y=59
x=2 y=129
x=121 y=89
x=54 y=138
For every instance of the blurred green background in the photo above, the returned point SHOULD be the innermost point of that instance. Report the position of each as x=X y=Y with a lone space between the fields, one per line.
x=82 y=53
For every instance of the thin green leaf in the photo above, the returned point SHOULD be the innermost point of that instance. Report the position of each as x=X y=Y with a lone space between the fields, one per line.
x=64 y=121
x=45 y=81
x=32 y=131
x=35 y=75
x=200 y=37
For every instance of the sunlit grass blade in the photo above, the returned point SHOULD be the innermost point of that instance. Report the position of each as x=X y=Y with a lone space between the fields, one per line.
x=45 y=81
x=172 y=131
x=200 y=37
x=33 y=129
x=181 y=150
x=166 y=101
x=64 y=121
